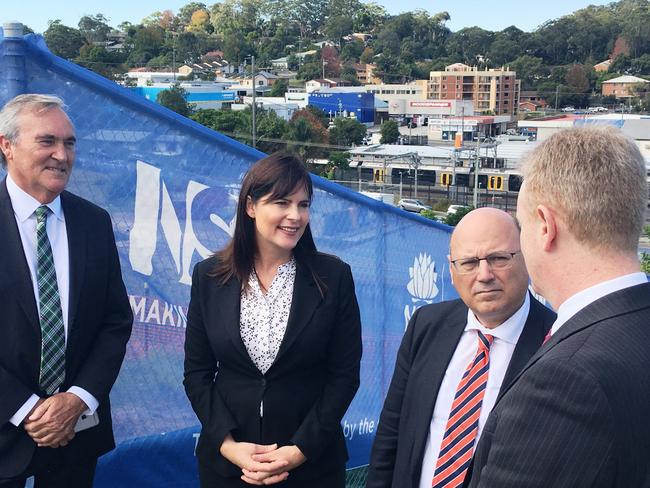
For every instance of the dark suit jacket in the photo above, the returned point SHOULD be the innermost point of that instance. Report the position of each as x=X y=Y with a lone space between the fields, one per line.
x=307 y=389
x=578 y=414
x=99 y=325
x=427 y=347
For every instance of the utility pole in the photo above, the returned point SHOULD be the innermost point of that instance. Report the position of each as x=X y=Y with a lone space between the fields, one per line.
x=476 y=165
x=324 y=63
x=174 y=56
x=557 y=92
x=254 y=106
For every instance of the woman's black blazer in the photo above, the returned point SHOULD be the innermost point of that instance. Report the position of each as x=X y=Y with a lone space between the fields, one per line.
x=307 y=389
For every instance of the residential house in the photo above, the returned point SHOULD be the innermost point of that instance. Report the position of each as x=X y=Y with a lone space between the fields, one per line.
x=621 y=87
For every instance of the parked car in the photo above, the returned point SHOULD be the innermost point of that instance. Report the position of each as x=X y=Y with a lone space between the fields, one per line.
x=568 y=109
x=455 y=208
x=594 y=110
x=412 y=205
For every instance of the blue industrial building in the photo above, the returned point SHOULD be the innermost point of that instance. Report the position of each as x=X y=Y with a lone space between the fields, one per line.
x=200 y=95
x=335 y=103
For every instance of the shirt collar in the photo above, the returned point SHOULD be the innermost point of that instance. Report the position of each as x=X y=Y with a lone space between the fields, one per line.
x=510 y=330
x=589 y=295
x=25 y=205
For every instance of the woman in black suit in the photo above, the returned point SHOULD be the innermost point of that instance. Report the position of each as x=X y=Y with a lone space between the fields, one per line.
x=273 y=343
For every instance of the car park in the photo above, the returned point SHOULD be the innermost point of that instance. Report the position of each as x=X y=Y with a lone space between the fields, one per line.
x=412 y=205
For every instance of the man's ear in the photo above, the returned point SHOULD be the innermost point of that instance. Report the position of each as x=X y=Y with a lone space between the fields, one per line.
x=547 y=229
x=451 y=268
x=250 y=207
x=6 y=148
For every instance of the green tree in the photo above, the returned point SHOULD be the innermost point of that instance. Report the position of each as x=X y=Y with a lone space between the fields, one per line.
x=339 y=159
x=270 y=129
x=389 y=132
x=530 y=70
x=307 y=134
x=174 y=99
x=236 y=124
x=185 y=12
x=321 y=119
x=310 y=71
x=347 y=131
x=62 y=40
x=279 y=88
x=94 y=27
x=645 y=262
x=97 y=59
x=454 y=218
x=470 y=42
x=299 y=135
x=507 y=46
x=147 y=43
x=336 y=160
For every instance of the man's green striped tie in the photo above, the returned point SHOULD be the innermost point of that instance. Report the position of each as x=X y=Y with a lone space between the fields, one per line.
x=51 y=317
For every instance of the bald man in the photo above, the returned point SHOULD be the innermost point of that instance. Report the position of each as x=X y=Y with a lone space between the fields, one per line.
x=455 y=356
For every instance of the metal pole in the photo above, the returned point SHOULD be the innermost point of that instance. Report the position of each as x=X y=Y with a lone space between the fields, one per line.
x=476 y=165
x=13 y=56
x=400 y=184
x=174 y=57
x=557 y=92
x=453 y=173
x=462 y=125
x=254 y=89
x=416 y=164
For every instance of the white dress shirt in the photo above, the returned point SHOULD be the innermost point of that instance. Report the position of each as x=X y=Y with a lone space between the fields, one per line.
x=505 y=336
x=589 y=295
x=24 y=206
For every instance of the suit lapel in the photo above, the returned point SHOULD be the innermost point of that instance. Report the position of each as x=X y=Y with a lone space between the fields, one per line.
x=529 y=342
x=621 y=302
x=77 y=250
x=13 y=262
x=305 y=300
x=227 y=308
x=441 y=340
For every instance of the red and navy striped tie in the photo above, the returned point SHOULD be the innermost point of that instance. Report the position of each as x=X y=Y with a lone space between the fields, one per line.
x=460 y=433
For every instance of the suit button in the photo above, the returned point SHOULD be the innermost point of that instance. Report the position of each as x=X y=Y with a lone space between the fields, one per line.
x=264 y=382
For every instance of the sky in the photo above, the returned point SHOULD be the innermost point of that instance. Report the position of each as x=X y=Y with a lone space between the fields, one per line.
x=496 y=16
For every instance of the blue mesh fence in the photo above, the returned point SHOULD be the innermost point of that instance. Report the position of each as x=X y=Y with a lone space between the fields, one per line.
x=170 y=186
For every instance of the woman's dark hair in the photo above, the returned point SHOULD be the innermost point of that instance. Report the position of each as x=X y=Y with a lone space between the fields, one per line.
x=277 y=176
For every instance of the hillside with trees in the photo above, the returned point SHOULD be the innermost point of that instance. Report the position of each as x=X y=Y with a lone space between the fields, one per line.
x=404 y=47
x=557 y=59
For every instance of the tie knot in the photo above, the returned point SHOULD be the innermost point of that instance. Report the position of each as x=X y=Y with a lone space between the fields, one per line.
x=41 y=213
x=485 y=340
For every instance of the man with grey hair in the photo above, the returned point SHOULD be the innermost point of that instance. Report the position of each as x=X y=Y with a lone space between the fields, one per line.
x=66 y=318
x=577 y=415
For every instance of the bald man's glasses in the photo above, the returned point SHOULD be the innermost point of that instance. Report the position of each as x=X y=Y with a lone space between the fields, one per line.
x=496 y=261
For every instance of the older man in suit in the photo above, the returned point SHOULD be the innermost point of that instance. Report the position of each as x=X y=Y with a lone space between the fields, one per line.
x=66 y=318
x=455 y=356
x=577 y=414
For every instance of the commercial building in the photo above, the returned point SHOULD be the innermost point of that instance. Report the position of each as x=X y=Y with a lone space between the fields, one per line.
x=492 y=91
x=416 y=90
x=637 y=127
x=279 y=105
x=201 y=95
x=341 y=102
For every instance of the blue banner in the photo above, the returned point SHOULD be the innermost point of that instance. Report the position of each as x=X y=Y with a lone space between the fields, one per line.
x=170 y=186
